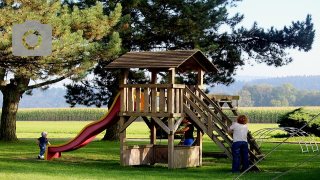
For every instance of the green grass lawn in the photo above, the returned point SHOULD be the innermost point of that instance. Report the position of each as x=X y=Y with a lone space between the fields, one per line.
x=69 y=129
x=100 y=160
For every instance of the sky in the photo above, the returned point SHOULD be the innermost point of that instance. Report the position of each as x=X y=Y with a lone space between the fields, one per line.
x=280 y=13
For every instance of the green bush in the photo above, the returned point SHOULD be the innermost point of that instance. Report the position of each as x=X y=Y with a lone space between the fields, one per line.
x=298 y=118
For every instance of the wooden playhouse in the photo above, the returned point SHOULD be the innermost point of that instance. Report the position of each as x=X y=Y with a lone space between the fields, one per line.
x=173 y=102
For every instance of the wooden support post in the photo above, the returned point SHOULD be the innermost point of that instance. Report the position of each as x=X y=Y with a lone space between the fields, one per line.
x=123 y=107
x=154 y=90
x=153 y=130
x=146 y=100
x=171 y=144
x=170 y=92
x=122 y=143
x=171 y=120
x=138 y=100
x=199 y=143
x=200 y=76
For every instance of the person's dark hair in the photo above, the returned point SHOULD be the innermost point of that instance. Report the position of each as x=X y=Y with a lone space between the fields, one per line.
x=188 y=118
x=242 y=119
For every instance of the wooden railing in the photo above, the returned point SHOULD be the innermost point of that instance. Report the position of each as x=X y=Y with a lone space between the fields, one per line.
x=153 y=98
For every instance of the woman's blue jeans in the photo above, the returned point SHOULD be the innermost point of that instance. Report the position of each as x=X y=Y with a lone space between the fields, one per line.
x=188 y=142
x=240 y=148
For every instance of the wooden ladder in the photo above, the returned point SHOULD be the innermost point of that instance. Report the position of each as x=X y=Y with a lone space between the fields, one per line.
x=214 y=122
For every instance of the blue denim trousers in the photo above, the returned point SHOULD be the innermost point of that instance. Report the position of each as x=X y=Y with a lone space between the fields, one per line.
x=240 y=148
x=42 y=150
x=188 y=142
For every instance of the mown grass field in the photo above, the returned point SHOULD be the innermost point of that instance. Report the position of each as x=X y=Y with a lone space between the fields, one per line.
x=69 y=129
x=100 y=160
x=255 y=114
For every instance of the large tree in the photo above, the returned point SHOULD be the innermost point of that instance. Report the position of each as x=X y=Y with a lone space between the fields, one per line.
x=150 y=25
x=78 y=43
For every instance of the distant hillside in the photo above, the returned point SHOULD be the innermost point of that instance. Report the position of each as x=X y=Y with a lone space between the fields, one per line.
x=53 y=98
x=299 y=82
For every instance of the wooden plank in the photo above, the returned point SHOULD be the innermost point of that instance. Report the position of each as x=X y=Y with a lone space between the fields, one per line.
x=153 y=136
x=154 y=100
x=157 y=114
x=126 y=124
x=210 y=123
x=181 y=99
x=146 y=100
x=219 y=120
x=176 y=101
x=179 y=86
x=195 y=118
x=162 y=99
x=200 y=77
x=177 y=124
x=138 y=155
x=123 y=80
x=146 y=120
x=186 y=157
x=161 y=124
x=199 y=143
x=171 y=156
x=138 y=100
x=194 y=106
x=230 y=97
x=170 y=100
x=130 y=100
x=122 y=143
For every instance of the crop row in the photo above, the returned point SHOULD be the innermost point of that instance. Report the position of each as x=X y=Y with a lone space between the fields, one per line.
x=255 y=114
x=61 y=114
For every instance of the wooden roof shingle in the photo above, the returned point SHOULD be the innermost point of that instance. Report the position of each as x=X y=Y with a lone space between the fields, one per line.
x=186 y=60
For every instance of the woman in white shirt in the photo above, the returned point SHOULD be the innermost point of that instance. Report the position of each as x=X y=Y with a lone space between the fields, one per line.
x=240 y=144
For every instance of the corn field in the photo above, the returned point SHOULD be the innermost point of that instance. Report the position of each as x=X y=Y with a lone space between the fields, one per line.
x=255 y=114
x=61 y=114
x=267 y=114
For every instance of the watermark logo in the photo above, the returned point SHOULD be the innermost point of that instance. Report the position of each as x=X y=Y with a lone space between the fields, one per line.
x=31 y=46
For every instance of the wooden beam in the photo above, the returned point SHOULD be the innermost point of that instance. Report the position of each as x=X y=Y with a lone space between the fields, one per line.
x=194 y=106
x=203 y=67
x=125 y=125
x=161 y=124
x=157 y=114
x=200 y=77
x=172 y=73
x=177 y=124
x=181 y=86
x=171 y=157
x=123 y=104
x=146 y=120
x=122 y=143
x=195 y=118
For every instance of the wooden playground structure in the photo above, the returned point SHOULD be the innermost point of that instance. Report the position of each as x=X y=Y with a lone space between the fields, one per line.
x=173 y=102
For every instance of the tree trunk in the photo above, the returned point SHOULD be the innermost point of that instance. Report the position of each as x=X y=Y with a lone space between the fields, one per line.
x=11 y=98
x=112 y=133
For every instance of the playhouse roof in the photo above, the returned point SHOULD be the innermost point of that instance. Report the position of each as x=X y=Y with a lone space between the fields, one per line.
x=183 y=60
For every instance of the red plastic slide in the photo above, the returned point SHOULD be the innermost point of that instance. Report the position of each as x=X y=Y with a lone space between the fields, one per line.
x=87 y=134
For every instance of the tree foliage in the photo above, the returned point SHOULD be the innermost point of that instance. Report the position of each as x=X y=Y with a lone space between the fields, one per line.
x=150 y=25
x=281 y=96
x=298 y=118
x=76 y=47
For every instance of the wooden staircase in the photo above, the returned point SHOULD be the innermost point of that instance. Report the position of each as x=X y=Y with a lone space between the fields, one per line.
x=210 y=118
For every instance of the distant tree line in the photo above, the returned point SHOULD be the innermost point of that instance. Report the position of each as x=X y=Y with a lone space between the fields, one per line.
x=283 y=95
x=300 y=82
